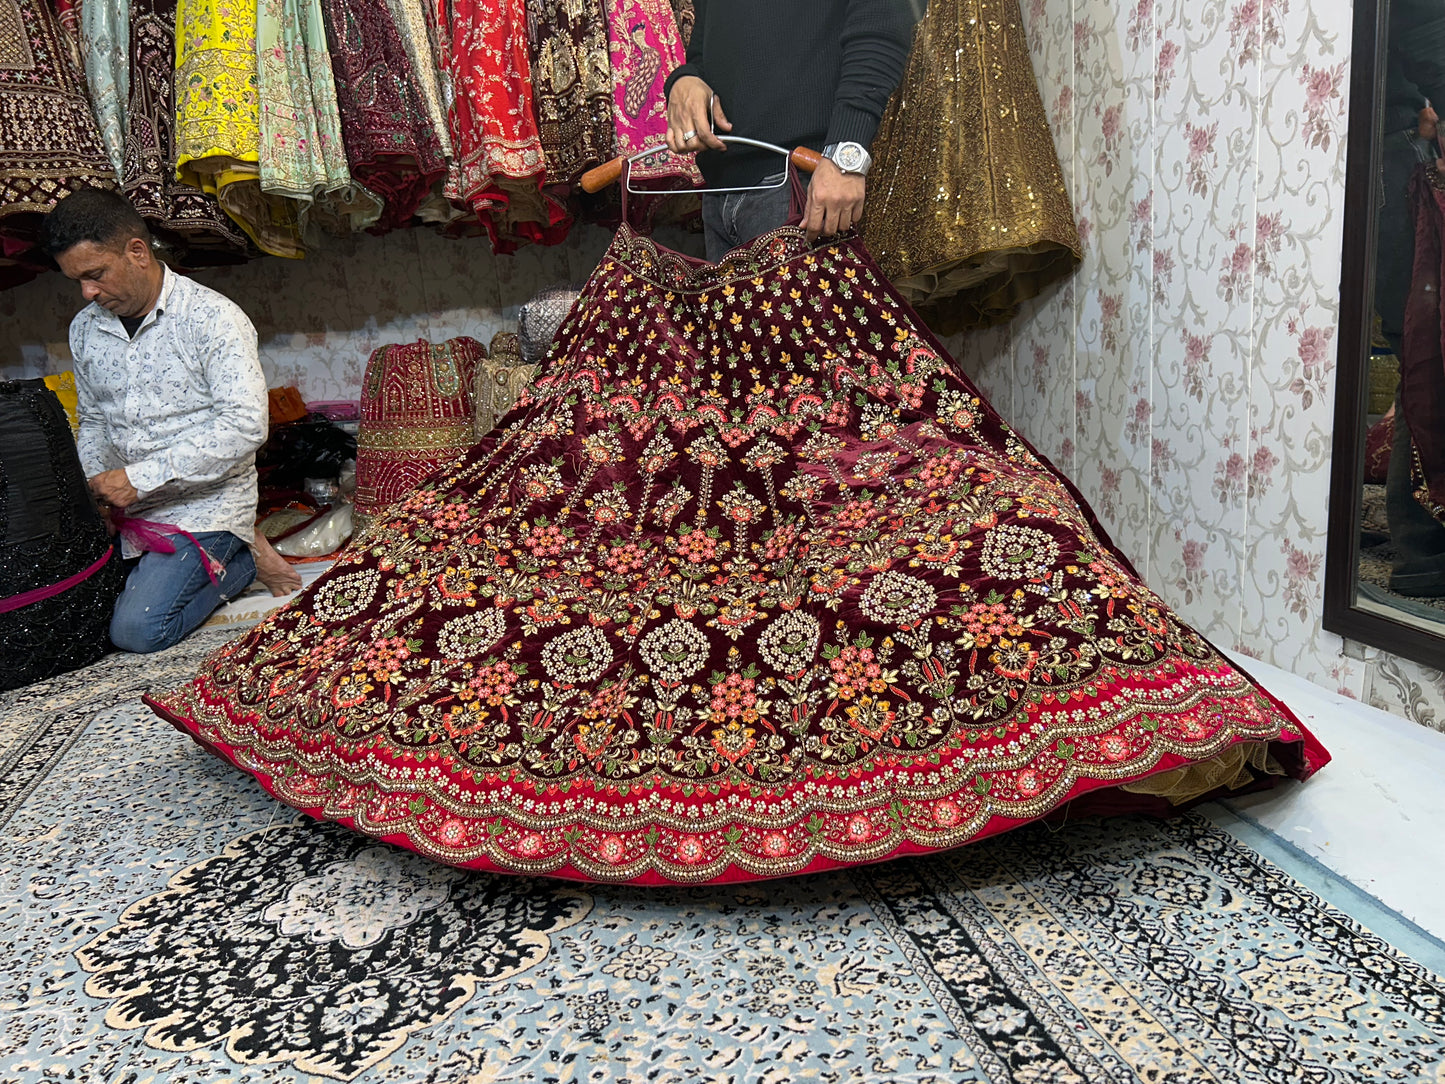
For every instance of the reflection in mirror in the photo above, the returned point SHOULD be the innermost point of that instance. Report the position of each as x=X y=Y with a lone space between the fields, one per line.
x=1401 y=565
x=1385 y=575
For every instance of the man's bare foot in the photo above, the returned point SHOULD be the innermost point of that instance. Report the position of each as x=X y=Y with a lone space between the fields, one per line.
x=272 y=569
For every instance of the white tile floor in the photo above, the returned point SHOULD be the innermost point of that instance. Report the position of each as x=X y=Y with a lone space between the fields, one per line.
x=1376 y=813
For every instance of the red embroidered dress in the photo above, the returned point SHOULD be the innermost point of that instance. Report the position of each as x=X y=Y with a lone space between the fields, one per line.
x=416 y=415
x=500 y=161
x=752 y=582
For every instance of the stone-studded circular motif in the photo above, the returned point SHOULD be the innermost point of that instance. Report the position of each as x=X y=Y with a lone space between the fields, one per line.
x=675 y=651
x=1011 y=552
x=577 y=657
x=790 y=642
x=897 y=598
x=473 y=634
x=346 y=596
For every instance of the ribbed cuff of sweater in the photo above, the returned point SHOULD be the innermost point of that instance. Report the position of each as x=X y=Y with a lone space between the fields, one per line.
x=849 y=125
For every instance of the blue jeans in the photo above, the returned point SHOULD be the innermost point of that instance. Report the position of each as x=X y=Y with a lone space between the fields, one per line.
x=167 y=595
x=730 y=219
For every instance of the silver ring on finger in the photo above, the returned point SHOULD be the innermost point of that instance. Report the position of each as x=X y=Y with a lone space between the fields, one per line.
x=689 y=136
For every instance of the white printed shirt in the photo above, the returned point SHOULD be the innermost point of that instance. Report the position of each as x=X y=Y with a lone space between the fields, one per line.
x=181 y=408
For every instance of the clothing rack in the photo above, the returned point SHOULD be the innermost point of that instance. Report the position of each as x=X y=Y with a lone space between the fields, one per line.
x=115 y=68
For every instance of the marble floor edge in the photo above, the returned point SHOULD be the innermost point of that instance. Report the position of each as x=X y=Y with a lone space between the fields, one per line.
x=1338 y=891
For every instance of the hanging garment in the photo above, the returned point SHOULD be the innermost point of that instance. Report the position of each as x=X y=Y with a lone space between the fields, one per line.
x=751 y=582
x=416 y=22
x=686 y=16
x=500 y=162
x=63 y=385
x=1422 y=358
x=418 y=36
x=218 y=120
x=105 y=45
x=416 y=415
x=390 y=143
x=49 y=145
x=191 y=221
x=967 y=210
x=302 y=155
x=571 y=85
x=59 y=577
x=67 y=17
x=645 y=46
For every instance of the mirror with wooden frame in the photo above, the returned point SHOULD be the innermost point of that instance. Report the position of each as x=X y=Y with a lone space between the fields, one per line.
x=1385 y=561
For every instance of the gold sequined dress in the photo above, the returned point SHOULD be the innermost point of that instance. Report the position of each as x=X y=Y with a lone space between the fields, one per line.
x=967 y=211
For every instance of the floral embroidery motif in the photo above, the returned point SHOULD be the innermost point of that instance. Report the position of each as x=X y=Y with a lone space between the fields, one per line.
x=751 y=580
x=217 y=102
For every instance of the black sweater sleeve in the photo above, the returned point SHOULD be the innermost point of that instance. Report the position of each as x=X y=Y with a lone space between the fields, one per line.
x=791 y=72
x=693 y=64
x=877 y=37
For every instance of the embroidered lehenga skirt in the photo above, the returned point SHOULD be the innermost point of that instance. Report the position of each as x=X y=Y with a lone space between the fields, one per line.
x=58 y=576
x=751 y=582
x=967 y=209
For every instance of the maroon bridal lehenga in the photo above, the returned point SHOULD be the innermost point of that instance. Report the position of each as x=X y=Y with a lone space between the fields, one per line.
x=752 y=582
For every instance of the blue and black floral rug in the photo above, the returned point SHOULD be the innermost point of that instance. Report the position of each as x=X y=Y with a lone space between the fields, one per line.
x=163 y=919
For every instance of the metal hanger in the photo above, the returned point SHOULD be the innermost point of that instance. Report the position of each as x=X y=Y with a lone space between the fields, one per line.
x=599 y=177
x=779 y=183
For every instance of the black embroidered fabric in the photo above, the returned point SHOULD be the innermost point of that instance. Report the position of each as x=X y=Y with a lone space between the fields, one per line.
x=50 y=529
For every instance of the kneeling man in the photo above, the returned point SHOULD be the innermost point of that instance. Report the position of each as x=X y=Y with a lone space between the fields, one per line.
x=172 y=407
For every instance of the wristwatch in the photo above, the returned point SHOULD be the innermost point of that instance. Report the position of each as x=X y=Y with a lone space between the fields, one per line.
x=849 y=157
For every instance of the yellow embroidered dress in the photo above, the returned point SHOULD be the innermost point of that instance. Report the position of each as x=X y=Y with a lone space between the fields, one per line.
x=218 y=119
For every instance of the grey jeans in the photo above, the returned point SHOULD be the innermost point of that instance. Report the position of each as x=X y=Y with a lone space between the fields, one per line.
x=730 y=219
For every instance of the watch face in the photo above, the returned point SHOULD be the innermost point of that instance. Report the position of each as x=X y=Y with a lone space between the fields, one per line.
x=849 y=157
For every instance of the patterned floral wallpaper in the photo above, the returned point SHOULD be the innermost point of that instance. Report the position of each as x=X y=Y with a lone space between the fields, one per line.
x=1183 y=377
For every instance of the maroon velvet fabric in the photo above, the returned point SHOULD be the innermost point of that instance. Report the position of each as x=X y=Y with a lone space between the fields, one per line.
x=1422 y=358
x=390 y=143
x=751 y=582
x=1377 y=450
